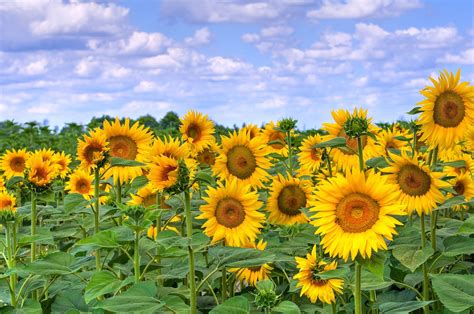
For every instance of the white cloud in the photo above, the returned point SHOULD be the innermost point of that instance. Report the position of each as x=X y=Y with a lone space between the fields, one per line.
x=137 y=43
x=274 y=31
x=200 y=37
x=464 y=57
x=250 y=38
x=116 y=71
x=145 y=87
x=3 y=108
x=224 y=66
x=86 y=67
x=361 y=81
x=417 y=83
x=36 y=67
x=429 y=38
x=43 y=108
x=136 y=108
x=273 y=103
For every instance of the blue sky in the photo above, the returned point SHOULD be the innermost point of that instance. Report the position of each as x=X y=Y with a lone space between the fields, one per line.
x=238 y=61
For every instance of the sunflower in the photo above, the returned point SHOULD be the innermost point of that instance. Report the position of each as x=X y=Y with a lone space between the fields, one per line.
x=243 y=159
x=353 y=213
x=447 y=111
x=62 y=161
x=127 y=142
x=163 y=172
x=275 y=139
x=310 y=158
x=207 y=156
x=40 y=172
x=46 y=154
x=92 y=148
x=308 y=279
x=152 y=231
x=13 y=163
x=7 y=201
x=467 y=168
x=287 y=198
x=251 y=275
x=197 y=130
x=419 y=187
x=346 y=157
x=2 y=184
x=81 y=182
x=252 y=129
x=169 y=147
x=145 y=196
x=231 y=213
x=468 y=142
x=463 y=184
x=388 y=140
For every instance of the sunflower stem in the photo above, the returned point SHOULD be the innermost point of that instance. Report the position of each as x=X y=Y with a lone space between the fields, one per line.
x=333 y=308
x=158 y=230
x=33 y=225
x=373 y=298
x=224 y=285
x=11 y=248
x=357 y=290
x=118 y=197
x=96 y=213
x=426 y=292
x=433 y=219
x=361 y=154
x=136 y=256
x=290 y=153
x=189 y=231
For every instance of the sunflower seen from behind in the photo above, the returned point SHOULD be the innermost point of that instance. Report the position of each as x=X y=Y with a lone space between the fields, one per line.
x=92 y=149
x=354 y=213
x=231 y=213
x=251 y=275
x=286 y=200
x=312 y=286
x=81 y=182
x=243 y=159
x=448 y=110
x=197 y=130
x=13 y=163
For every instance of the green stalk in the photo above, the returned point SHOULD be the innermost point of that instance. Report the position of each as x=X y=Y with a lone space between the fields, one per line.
x=136 y=257
x=290 y=153
x=333 y=307
x=373 y=299
x=11 y=248
x=426 y=292
x=118 y=197
x=357 y=290
x=361 y=154
x=189 y=231
x=433 y=219
x=33 y=225
x=158 y=230
x=223 y=285
x=97 y=214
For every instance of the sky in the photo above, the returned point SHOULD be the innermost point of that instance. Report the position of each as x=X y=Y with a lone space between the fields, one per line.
x=236 y=60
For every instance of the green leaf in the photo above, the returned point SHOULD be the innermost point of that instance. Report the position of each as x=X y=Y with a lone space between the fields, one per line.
x=205 y=177
x=373 y=282
x=57 y=263
x=377 y=162
x=29 y=307
x=335 y=142
x=103 y=282
x=402 y=307
x=456 y=292
x=331 y=274
x=458 y=245
x=234 y=305
x=287 y=307
x=74 y=201
x=240 y=257
x=68 y=301
x=120 y=162
x=175 y=304
x=411 y=256
x=456 y=200
x=454 y=164
x=265 y=285
x=376 y=264
x=103 y=239
x=415 y=110
x=467 y=226
x=13 y=181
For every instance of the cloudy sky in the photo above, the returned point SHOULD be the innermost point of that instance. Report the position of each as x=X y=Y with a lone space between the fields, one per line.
x=247 y=60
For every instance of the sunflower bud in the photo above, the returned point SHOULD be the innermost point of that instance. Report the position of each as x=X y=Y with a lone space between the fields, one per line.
x=266 y=297
x=287 y=124
x=356 y=126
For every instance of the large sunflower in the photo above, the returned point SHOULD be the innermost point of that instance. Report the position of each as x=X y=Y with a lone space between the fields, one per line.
x=275 y=139
x=287 y=198
x=419 y=187
x=346 y=157
x=127 y=142
x=62 y=161
x=447 y=111
x=92 y=148
x=353 y=213
x=231 y=213
x=243 y=159
x=251 y=275
x=310 y=158
x=197 y=130
x=81 y=182
x=163 y=172
x=13 y=163
x=310 y=283
x=40 y=172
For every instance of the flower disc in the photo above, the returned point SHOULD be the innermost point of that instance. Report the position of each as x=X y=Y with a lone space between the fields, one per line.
x=241 y=162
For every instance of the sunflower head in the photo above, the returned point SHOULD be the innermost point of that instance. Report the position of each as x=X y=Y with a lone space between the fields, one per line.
x=92 y=149
x=62 y=161
x=287 y=124
x=252 y=129
x=81 y=182
x=145 y=196
x=7 y=207
x=40 y=172
x=310 y=157
x=197 y=130
x=275 y=138
x=13 y=163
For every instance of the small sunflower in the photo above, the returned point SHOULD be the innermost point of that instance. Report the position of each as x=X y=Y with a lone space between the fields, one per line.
x=251 y=275
x=447 y=111
x=127 y=142
x=275 y=139
x=243 y=159
x=163 y=172
x=311 y=158
x=152 y=231
x=81 y=182
x=7 y=201
x=346 y=157
x=354 y=213
x=46 y=154
x=145 y=196
x=208 y=155
x=169 y=147
x=91 y=149
x=388 y=140
x=310 y=283
x=252 y=129
x=62 y=161
x=467 y=168
x=231 y=213
x=419 y=187
x=40 y=172
x=463 y=184
x=13 y=163
x=287 y=198
x=197 y=130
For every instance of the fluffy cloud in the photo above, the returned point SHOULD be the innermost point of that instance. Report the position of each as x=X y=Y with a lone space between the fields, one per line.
x=200 y=37
x=464 y=57
x=226 y=66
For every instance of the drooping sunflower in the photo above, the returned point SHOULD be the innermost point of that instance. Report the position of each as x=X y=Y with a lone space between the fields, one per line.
x=392 y=139
x=62 y=161
x=231 y=213
x=243 y=159
x=419 y=187
x=309 y=157
x=354 y=213
x=447 y=111
x=13 y=163
x=7 y=201
x=197 y=130
x=346 y=157
x=310 y=283
x=275 y=139
x=163 y=172
x=251 y=275
x=127 y=142
x=252 y=129
x=81 y=182
x=287 y=198
x=92 y=148
x=40 y=172
x=145 y=196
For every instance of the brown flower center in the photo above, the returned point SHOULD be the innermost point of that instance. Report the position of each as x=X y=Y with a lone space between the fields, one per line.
x=17 y=164
x=316 y=154
x=83 y=186
x=277 y=136
x=149 y=200
x=123 y=147
x=459 y=188
x=351 y=143
x=357 y=213
x=165 y=172
x=291 y=199
x=194 y=132
x=230 y=212
x=207 y=157
x=92 y=152
x=449 y=110
x=241 y=162
x=413 y=180
x=5 y=203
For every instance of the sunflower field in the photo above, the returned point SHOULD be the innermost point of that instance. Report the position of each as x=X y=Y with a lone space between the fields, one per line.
x=356 y=217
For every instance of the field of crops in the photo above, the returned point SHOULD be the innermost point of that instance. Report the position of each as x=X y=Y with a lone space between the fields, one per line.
x=355 y=217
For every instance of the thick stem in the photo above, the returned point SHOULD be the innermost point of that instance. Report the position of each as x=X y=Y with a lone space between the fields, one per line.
x=290 y=153
x=223 y=285
x=360 y=153
x=373 y=299
x=433 y=219
x=10 y=250
x=96 y=213
x=118 y=197
x=426 y=292
x=333 y=307
x=33 y=225
x=357 y=290
x=159 y=205
x=189 y=231
x=136 y=257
